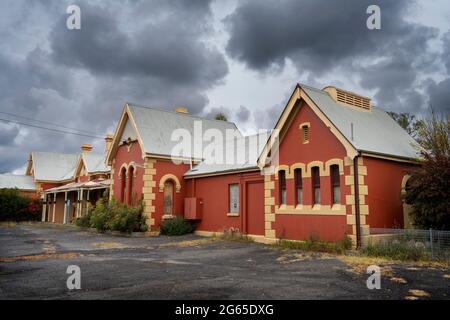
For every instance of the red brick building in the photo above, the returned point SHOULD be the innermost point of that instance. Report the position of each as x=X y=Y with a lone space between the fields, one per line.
x=338 y=170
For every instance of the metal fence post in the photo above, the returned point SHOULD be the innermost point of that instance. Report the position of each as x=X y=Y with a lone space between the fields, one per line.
x=431 y=242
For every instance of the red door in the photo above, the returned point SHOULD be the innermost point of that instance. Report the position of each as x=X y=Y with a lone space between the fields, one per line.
x=255 y=208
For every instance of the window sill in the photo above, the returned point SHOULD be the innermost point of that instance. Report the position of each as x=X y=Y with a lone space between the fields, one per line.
x=230 y=214
x=317 y=207
x=336 y=207
x=167 y=217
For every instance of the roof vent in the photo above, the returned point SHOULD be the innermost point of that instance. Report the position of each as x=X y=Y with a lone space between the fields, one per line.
x=349 y=98
x=181 y=110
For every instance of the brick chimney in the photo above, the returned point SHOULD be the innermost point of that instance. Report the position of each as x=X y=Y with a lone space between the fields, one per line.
x=86 y=148
x=181 y=110
x=108 y=142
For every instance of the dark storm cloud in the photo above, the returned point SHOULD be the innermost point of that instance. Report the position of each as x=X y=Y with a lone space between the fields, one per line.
x=168 y=50
x=152 y=53
x=323 y=38
x=440 y=96
x=243 y=114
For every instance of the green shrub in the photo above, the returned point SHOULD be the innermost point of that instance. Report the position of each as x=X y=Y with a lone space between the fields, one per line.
x=114 y=216
x=14 y=207
x=176 y=227
x=84 y=221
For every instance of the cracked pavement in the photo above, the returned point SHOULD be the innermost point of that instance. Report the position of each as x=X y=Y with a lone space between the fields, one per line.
x=34 y=259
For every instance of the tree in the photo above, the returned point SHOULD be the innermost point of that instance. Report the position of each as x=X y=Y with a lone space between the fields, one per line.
x=408 y=122
x=221 y=116
x=428 y=189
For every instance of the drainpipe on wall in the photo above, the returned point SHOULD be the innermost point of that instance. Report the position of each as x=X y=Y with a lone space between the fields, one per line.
x=357 y=212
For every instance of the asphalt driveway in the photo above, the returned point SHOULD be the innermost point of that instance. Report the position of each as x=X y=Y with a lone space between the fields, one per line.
x=34 y=259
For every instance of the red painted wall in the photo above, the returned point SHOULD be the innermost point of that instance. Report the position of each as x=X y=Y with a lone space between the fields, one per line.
x=124 y=156
x=213 y=191
x=48 y=185
x=384 y=179
x=164 y=167
x=322 y=146
x=304 y=227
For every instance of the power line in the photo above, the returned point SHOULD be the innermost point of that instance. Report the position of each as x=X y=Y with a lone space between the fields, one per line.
x=46 y=122
x=51 y=129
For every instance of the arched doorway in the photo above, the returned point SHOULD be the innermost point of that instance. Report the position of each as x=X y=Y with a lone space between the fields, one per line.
x=168 y=197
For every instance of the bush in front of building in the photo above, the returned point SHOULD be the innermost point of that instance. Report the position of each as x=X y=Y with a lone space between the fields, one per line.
x=428 y=188
x=14 y=207
x=114 y=216
x=176 y=227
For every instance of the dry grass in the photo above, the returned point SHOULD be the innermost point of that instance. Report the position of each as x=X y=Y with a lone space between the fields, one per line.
x=418 y=293
x=303 y=256
x=188 y=243
x=109 y=245
x=44 y=256
x=7 y=224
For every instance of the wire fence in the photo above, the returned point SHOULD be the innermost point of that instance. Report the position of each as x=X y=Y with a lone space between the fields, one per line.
x=435 y=243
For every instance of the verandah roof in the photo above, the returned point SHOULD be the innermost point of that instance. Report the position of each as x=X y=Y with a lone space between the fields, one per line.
x=89 y=185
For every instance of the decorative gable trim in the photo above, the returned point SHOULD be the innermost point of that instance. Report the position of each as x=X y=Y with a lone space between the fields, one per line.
x=297 y=96
x=125 y=117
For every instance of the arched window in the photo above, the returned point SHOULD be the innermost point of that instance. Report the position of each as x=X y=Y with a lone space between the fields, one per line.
x=282 y=186
x=298 y=186
x=168 y=197
x=315 y=174
x=131 y=193
x=335 y=184
x=123 y=184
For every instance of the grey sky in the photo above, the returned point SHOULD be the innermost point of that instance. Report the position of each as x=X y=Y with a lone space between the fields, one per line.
x=238 y=57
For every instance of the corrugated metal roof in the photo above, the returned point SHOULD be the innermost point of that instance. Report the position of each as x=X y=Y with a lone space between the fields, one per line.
x=373 y=131
x=95 y=163
x=156 y=126
x=21 y=182
x=250 y=146
x=50 y=166
x=95 y=184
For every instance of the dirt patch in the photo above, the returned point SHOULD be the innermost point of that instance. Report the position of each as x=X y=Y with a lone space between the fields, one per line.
x=301 y=256
x=8 y=224
x=418 y=293
x=44 y=256
x=188 y=243
x=109 y=245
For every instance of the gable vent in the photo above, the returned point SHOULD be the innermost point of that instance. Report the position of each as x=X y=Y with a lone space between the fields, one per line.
x=348 y=98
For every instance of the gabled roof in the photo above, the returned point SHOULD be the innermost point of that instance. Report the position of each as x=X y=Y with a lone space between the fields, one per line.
x=373 y=131
x=48 y=166
x=154 y=128
x=95 y=163
x=21 y=182
x=251 y=147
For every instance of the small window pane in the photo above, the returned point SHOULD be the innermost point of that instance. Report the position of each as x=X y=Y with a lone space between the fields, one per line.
x=299 y=196
x=234 y=198
x=283 y=196
x=298 y=186
x=335 y=183
x=316 y=184
x=282 y=182
x=336 y=195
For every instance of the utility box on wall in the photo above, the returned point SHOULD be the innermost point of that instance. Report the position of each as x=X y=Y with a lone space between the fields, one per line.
x=192 y=209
